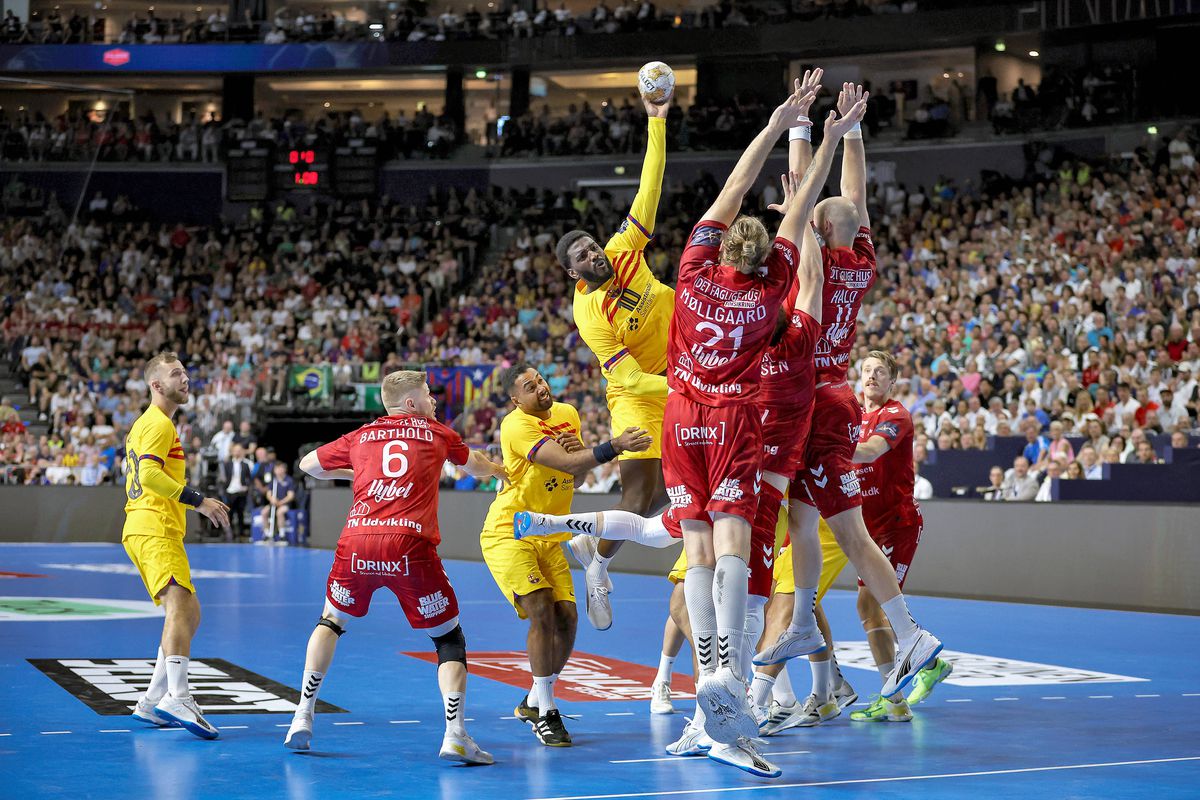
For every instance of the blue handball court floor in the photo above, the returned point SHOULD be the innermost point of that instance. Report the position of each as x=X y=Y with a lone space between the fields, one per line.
x=1045 y=702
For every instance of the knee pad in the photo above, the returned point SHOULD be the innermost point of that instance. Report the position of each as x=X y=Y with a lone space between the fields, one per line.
x=451 y=646
x=333 y=626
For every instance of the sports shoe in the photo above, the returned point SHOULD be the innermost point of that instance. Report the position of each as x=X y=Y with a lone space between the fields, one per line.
x=599 y=608
x=927 y=679
x=527 y=524
x=550 y=730
x=582 y=548
x=882 y=710
x=727 y=714
x=744 y=755
x=144 y=711
x=693 y=742
x=524 y=711
x=844 y=695
x=185 y=711
x=462 y=748
x=299 y=735
x=791 y=645
x=918 y=654
x=660 y=698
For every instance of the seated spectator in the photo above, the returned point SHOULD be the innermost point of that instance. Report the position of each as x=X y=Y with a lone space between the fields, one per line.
x=280 y=496
x=1020 y=483
x=1054 y=469
x=1089 y=461
x=1145 y=454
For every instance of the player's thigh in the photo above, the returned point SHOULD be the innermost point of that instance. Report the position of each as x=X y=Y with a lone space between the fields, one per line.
x=647 y=413
x=552 y=563
x=355 y=575
x=422 y=587
x=899 y=544
x=829 y=474
x=160 y=561
x=734 y=461
x=514 y=567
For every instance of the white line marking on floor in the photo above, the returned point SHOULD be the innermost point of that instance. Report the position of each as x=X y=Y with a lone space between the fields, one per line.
x=1191 y=694
x=618 y=714
x=1147 y=695
x=957 y=700
x=854 y=781
x=1100 y=697
x=683 y=759
x=53 y=733
x=510 y=718
x=1054 y=698
x=349 y=723
x=1003 y=699
x=5 y=734
x=233 y=727
x=404 y=721
x=862 y=704
x=469 y=719
x=117 y=730
x=283 y=725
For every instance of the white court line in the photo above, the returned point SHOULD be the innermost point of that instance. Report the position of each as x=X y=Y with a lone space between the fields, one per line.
x=1003 y=699
x=117 y=730
x=1100 y=697
x=5 y=734
x=1191 y=694
x=957 y=700
x=1147 y=695
x=510 y=717
x=233 y=727
x=618 y=714
x=404 y=721
x=1054 y=698
x=52 y=733
x=283 y=725
x=683 y=759
x=895 y=779
x=349 y=723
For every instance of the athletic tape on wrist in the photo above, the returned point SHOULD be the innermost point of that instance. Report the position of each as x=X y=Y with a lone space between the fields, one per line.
x=855 y=132
x=605 y=452
x=190 y=497
x=800 y=132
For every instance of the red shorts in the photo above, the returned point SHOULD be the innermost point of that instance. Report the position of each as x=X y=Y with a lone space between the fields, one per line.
x=785 y=439
x=762 y=561
x=712 y=458
x=899 y=544
x=407 y=565
x=828 y=471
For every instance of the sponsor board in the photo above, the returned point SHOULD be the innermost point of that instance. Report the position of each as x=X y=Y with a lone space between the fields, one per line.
x=586 y=677
x=129 y=569
x=972 y=669
x=73 y=609
x=112 y=686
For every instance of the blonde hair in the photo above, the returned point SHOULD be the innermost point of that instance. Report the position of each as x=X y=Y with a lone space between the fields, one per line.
x=155 y=364
x=745 y=245
x=398 y=384
x=888 y=361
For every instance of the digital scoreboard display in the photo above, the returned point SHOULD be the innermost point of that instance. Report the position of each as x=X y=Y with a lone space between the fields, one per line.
x=302 y=170
x=258 y=170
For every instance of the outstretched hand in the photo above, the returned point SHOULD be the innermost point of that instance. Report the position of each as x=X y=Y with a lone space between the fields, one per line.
x=657 y=109
x=809 y=84
x=850 y=94
x=837 y=127
x=791 y=185
x=790 y=111
x=633 y=440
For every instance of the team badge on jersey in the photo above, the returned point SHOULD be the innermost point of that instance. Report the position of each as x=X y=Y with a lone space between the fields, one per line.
x=706 y=236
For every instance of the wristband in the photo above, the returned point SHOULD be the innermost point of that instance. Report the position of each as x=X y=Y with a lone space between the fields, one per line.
x=190 y=497
x=800 y=132
x=603 y=453
x=855 y=132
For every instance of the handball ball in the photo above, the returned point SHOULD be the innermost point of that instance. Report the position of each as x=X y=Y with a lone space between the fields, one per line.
x=656 y=82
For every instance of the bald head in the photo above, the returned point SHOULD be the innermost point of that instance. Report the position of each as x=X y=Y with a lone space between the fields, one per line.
x=837 y=220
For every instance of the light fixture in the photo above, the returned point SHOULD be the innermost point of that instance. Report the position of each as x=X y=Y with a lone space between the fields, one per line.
x=1152 y=130
x=327 y=104
x=1001 y=46
x=481 y=73
x=376 y=26
x=1034 y=54
x=960 y=74
x=619 y=170
x=945 y=74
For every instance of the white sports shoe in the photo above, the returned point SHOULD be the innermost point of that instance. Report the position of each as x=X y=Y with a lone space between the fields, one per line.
x=144 y=710
x=185 y=711
x=791 y=645
x=599 y=608
x=727 y=716
x=915 y=655
x=299 y=736
x=693 y=742
x=461 y=747
x=660 y=698
x=744 y=755
x=581 y=547
x=844 y=695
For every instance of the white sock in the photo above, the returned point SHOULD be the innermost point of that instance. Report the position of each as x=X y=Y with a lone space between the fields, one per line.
x=630 y=527
x=545 y=693
x=665 y=663
x=698 y=594
x=886 y=668
x=571 y=523
x=804 y=618
x=783 y=691
x=730 y=591
x=177 y=679
x=309 y=686
x=532 y=698
x=158 y=680
x=902 y=622
x=600 y=562
x=455 y=711
x=760 y=689
x=821 y=671
x=835 y=674
x=754 y=628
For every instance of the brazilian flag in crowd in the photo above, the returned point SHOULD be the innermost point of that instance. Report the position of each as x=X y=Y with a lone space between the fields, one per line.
x=316 y=379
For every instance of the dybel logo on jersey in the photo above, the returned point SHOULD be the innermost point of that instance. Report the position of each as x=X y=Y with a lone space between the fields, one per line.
x=112 y=686
x=116 y=57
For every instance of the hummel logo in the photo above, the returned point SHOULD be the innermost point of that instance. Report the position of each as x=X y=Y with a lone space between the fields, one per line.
x=579 y=525
x=887 y=551
x=819 y=476
x=768 y=556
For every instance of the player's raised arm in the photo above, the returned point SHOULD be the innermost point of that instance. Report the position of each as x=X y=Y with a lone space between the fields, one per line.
x=800 y=136
x=854 y=157
x=638 y=226
x=725 y=208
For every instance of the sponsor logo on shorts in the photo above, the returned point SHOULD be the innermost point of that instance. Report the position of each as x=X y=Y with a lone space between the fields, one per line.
x=551 y=484
x=534 y=578
x=366 y=566
x=871 y=492
x=432 y=605
x=850 y=485
x=680 y=497
x=855 y=431
x=730 y=490
x=111 y=686
x=901 y=569
x=340 y=594
x=690 y=435
x=771 y=449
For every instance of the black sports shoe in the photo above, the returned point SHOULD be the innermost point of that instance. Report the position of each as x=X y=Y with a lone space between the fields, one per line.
x=550 y=730
x=524 y=711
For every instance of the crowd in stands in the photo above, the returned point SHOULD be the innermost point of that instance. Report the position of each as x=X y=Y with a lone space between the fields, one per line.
x=1064 y=308
x=417 y=20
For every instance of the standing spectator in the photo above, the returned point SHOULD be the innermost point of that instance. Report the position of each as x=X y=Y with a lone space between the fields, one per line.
x=234 y=479
x=222 y=439
x=280 y=496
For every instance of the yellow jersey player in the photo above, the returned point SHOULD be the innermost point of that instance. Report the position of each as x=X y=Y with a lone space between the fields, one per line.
x=623 y=313
x=156 y=499
x=542 y=456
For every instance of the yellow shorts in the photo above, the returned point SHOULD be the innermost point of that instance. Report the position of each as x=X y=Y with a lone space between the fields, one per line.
x=679 y=570
x=159 y=559
x=522 y=566
x=833 y=560
x=638 y=412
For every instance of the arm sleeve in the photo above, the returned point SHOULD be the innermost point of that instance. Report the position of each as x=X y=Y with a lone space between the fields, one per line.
x=457 y=451
x=781 y=264
x=703 y=245
x=618 y=364
x=155 y=447
x=637 y=229
x=335 y=455
x=864 y=246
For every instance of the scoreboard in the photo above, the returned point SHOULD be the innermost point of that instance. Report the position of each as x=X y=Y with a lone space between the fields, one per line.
x=257 y=170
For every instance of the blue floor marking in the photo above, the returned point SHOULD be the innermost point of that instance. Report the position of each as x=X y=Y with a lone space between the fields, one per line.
x=1093 y=739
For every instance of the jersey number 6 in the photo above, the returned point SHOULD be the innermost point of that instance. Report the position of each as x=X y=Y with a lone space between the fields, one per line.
x=394 y=452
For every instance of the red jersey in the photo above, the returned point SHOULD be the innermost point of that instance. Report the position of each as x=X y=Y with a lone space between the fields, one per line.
x=788 y=372
x=723 y=319
x=849 y=274
x=887 y=483
x=397 y=461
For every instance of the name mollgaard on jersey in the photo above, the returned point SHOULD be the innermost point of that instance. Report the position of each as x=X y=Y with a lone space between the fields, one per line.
x=721 y=314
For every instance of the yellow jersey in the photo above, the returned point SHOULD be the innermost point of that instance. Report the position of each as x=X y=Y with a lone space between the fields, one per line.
x=625 y=320
x=155 y=475
x=530 y=486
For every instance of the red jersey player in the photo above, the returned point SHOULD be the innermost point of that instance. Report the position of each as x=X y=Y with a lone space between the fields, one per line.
x=390 y=540
x=829 y=477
